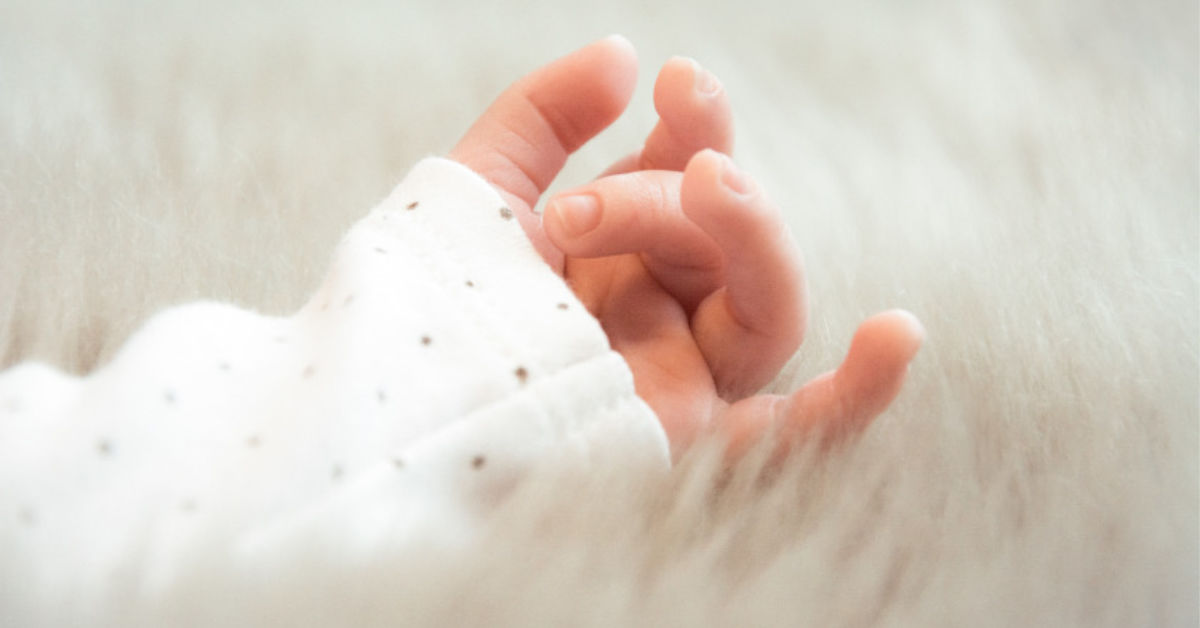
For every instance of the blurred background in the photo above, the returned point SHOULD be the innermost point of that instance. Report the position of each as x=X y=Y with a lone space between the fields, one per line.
x=1022 y=175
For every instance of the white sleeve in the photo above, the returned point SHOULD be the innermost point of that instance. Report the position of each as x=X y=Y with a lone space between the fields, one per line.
x=439 y=362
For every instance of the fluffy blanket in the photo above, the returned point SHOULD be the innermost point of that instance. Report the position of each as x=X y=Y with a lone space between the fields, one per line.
x=1022 y=175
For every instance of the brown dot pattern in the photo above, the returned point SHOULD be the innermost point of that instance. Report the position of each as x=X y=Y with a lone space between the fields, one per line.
x=105 y=448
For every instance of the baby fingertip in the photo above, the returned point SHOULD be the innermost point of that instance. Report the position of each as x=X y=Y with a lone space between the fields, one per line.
x=733 y=178
x=576 y=213
x=913 y=330
x=619 y=39
x=704 y=82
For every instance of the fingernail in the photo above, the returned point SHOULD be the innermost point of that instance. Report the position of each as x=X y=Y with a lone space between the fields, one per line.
x=705 y=83
x=733 y=178
x=578 y=213
x=619 y=38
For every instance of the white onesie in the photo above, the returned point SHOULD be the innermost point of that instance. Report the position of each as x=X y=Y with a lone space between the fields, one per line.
x=440 y=361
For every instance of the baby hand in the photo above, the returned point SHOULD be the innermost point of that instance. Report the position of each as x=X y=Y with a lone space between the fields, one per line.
x=685 y=262
x=700 y=286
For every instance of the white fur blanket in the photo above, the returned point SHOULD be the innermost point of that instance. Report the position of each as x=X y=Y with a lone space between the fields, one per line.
x=1022 y=175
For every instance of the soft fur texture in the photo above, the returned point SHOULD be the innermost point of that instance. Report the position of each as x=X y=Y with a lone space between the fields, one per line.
x=1022 y=175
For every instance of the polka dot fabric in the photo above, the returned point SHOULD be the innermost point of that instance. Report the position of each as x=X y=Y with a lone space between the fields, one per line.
x=439 y=362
